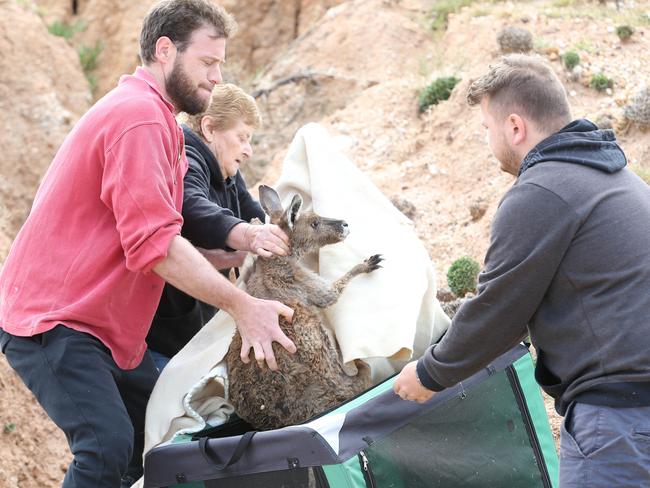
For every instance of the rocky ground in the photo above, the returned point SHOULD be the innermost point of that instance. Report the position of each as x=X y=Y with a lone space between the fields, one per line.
x=356 y=66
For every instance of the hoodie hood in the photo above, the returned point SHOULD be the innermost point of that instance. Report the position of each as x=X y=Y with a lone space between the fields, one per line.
x=580 y=142
x=198 y=150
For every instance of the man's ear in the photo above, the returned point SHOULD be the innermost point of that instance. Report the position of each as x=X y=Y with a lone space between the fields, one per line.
x=165 y=50
x=516 y=129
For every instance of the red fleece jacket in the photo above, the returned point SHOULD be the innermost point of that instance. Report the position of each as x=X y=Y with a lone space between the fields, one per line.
x=104 y=215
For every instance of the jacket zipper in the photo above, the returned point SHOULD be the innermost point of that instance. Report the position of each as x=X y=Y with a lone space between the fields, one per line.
x=367 y=472
x=528 y=423
x=320 y=477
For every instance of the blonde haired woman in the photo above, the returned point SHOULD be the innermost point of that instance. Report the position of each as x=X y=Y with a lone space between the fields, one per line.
x=216 y=210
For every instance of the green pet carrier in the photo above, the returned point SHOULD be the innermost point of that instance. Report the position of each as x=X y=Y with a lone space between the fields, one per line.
x=489 y=431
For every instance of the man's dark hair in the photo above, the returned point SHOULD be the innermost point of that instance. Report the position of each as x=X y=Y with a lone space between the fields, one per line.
x=178 y=19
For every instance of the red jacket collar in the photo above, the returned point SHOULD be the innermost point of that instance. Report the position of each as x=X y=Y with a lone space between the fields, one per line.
x=144 y=75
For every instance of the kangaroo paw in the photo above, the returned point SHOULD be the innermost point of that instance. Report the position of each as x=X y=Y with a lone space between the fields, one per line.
x=372 y=263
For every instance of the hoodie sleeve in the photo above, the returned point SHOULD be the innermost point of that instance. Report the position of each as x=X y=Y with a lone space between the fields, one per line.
x=248 y=206
x=532 y=231
x=206 y=223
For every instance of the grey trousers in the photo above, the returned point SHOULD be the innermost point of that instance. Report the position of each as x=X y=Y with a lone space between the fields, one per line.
x=605 y=447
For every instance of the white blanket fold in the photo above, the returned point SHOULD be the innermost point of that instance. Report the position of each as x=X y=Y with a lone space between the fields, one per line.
x=386 y=316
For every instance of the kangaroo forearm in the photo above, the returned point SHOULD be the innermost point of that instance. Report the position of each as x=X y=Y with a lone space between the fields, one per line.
x=339 y=285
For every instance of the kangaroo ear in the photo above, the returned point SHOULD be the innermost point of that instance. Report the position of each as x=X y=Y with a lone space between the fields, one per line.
x=270 y=202
x=294 y=210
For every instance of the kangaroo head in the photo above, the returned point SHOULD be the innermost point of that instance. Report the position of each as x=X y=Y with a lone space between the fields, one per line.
x=307 y=231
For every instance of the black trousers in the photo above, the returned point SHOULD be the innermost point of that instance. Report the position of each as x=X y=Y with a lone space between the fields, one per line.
x=100 y=407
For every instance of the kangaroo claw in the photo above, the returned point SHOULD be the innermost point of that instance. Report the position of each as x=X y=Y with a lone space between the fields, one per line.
x=373 y=262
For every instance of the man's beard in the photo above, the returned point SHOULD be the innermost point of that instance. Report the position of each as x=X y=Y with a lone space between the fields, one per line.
x=508 y=158
x=184 y=96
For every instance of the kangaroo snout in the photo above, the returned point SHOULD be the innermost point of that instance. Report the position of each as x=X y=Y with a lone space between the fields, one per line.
x=346 y=229
x=342 y=228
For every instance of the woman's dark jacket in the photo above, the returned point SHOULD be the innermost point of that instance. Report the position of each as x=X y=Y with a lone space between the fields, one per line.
x=212 y=206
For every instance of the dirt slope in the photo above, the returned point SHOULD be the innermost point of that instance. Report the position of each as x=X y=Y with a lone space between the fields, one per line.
x=42 y=94
x=357 y=68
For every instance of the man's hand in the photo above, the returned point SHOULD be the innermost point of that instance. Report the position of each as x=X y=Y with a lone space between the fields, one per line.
x=221 y=259
x=258 y=325
x=408 y=386
x=266 y=240
x=256 y=319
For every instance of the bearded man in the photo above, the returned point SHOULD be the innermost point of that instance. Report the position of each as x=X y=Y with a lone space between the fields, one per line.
x=84 y=276
x=569 y=265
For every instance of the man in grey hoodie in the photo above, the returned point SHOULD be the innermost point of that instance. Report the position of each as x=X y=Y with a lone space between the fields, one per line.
x=569 y=264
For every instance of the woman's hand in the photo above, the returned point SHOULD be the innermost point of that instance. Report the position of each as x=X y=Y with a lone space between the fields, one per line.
x=266 y=240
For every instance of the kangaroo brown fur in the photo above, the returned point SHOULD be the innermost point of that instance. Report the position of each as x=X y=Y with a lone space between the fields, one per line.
x=311 y=380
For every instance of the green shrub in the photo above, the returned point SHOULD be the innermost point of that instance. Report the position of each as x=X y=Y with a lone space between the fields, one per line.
x=624 y=32
x=571 y=59
x=88 y=55
x=601 y=82
x=92 y=81
x=462 y=276
x=443 y=8
x=62 y=29
x=437 y=91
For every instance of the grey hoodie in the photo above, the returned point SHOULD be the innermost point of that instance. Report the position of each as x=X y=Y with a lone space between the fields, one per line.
x=569 y=264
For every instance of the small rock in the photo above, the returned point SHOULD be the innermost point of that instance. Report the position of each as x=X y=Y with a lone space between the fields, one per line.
x=344 y=142
x=620 y=99
x=552 y=51
x=451 y=308
x=404 y=206
x=515 y=40
x=604 y=121
x=477 y=209
x=445 y=295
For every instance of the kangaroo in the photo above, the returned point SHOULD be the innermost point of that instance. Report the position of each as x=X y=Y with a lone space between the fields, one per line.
x=313 y=379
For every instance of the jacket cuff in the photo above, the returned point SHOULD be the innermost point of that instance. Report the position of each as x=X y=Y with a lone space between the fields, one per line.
x=425 y=379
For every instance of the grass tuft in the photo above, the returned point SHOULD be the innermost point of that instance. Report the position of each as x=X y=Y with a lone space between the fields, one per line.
x=65 y=30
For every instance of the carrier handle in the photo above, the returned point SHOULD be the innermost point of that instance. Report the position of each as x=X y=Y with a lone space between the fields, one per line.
x=236 y=455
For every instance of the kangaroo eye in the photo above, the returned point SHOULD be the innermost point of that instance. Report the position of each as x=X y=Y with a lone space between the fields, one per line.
x=315 y=224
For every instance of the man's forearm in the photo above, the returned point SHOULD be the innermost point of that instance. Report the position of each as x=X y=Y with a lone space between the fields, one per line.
x=186 y=269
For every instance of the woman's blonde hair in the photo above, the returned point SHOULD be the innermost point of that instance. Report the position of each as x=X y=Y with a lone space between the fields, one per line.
x=228 y=105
